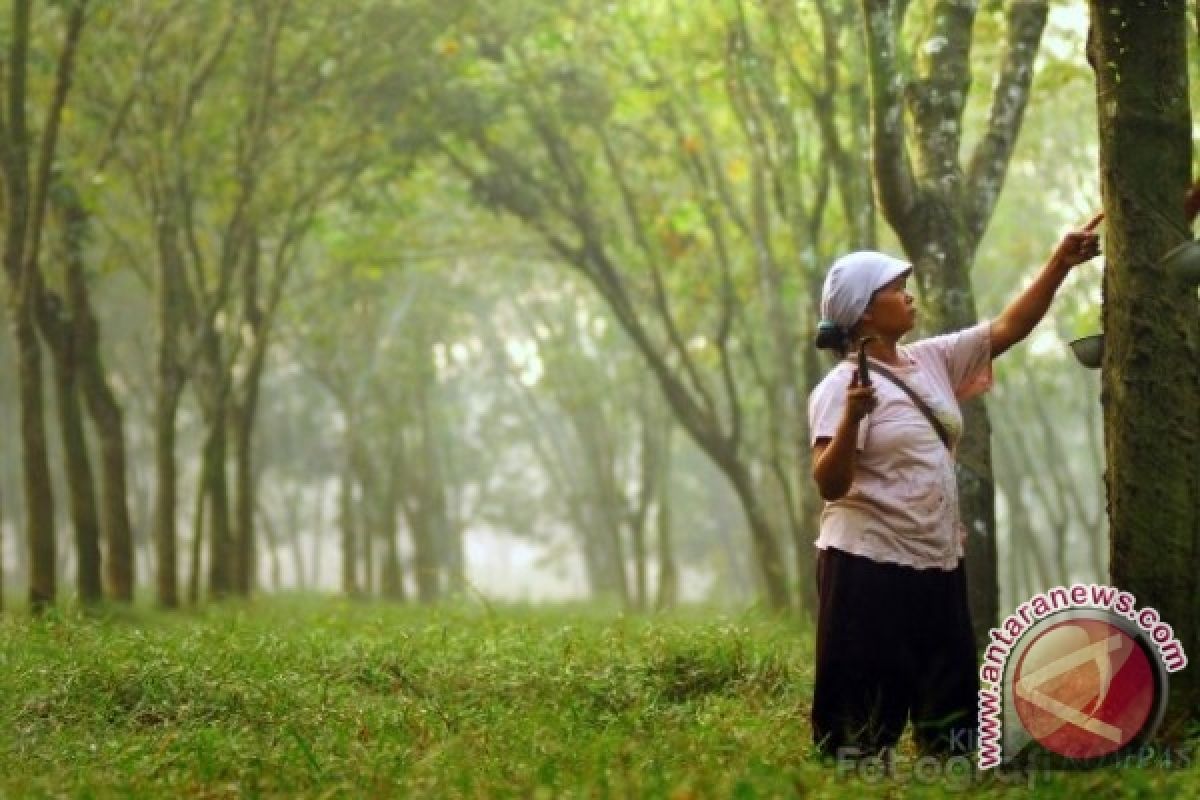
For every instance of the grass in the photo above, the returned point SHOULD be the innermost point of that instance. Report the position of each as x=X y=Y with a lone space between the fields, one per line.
x=322 y=698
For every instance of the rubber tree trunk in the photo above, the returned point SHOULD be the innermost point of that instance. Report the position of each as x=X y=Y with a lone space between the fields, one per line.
x=391 y=584
x=349 y=534
x=114 y=502
x=26 y=163
x=425 y=562
x=39 y=497
x=668 y=573
x=199 y=525
x=1 y=551
x=59 y=333
x=245 y=498
x=169 y=386
x=81 y=491
x=220 y=554
x=116 y=530
x=1151 y=369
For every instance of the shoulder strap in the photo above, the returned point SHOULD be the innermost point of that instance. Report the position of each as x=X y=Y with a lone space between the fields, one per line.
x=921 y=405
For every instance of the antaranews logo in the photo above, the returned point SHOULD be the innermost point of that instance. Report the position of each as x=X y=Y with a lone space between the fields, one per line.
x=1077 y=674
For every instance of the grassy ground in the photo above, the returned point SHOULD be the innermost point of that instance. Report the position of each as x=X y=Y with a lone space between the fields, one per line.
x=317 y=697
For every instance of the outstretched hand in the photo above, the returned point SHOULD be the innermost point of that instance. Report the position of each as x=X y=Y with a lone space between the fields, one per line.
x=1077 y=247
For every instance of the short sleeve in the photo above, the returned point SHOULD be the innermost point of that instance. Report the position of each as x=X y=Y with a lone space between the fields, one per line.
x=827 y=405
x=967 y=357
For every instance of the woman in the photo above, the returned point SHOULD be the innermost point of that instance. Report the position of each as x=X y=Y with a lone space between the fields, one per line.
x=894 y=637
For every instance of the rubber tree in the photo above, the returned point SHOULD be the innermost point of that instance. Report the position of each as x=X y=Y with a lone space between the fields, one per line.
x=27 y=155
x=939 y=203
x=1151 y=368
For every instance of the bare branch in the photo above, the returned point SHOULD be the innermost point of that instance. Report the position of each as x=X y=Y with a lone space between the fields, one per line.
x=49 y=143
x=893 y=171
x=661 y=302
x=989 y=162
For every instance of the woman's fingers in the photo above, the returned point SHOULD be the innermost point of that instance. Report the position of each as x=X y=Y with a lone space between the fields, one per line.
x=861 y=400
x=1080 y=246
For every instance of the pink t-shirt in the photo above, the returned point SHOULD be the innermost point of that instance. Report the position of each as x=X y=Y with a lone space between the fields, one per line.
x=903 y=504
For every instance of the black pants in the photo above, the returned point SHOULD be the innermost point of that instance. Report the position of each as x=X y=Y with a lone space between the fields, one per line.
x=893 y=643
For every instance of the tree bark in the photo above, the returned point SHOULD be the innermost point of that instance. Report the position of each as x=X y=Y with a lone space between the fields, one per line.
x=39 y=498
x=215 y=479
x=392 y=578
x=65 y=334
x=199 y=525
x=245 y=499
x=1151 y=370
x=273 y=551
x=25 y=199
x=117 y=532
x=349 y=536
x=668 y=573
x=1 y=550
x=170 y=378
x=81 y=490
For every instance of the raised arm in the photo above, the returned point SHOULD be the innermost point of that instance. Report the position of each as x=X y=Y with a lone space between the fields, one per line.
x=1027 y=309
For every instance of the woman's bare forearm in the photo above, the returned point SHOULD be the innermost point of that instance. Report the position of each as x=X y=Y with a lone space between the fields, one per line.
x=833 y=466
x=1027 y=309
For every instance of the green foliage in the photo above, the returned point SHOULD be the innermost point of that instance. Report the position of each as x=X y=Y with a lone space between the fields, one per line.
x=309 y=697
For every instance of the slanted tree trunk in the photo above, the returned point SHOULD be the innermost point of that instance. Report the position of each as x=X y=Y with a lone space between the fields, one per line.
x=115 y=527
x=1151 y=371
x=940 y=207
x=718 y=431
x=60 y=332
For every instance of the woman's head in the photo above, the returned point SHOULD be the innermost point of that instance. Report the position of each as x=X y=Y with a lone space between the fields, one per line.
x=864 y=294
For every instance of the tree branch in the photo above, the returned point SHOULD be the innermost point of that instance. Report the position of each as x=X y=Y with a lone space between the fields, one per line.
x=1010 y=97
x=893 y=171
x=49 y=143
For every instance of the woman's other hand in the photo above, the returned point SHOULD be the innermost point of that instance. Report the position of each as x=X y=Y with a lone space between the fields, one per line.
x=860 y=400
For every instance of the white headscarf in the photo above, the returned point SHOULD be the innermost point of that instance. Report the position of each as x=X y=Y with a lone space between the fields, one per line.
x=851 y=281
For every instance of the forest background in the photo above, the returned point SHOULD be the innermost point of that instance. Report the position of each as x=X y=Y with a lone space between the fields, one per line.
x=414 y=298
